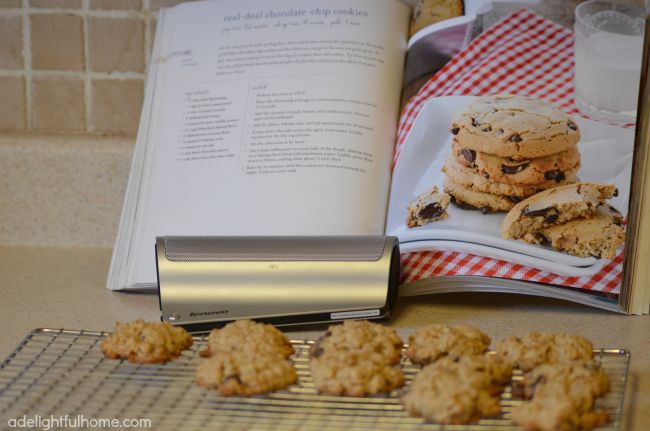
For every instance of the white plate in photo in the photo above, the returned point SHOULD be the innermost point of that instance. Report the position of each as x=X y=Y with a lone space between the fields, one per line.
x=606 y=154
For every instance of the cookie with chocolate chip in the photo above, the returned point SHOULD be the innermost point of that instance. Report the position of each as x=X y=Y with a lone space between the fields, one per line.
x=432 y=342
x=599 y=235
x=249 y=338
x=537 y=348
x=563 y=397
x=558 y=412
x=429 y=206
x=458 y=390
x=360 y=336
x=234 y=374
x=428 y=12
x=516 y=127
x=354 y=373
x=356 y=358
x=146 y=342
x=549 y=170
x=580 y=377
x=468 y=178
x=469 y=199
x=555 y=206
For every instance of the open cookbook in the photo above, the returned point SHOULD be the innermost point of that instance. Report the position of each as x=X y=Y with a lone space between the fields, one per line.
x=283 y=118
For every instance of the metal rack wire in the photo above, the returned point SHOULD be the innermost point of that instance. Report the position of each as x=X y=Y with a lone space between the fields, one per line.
x=63 y=372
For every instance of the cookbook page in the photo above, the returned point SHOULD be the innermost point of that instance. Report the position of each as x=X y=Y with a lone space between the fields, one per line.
x=515 y=159
x=274 y=119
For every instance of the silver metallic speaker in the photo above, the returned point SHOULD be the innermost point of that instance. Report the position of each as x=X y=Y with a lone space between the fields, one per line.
x=204 y=282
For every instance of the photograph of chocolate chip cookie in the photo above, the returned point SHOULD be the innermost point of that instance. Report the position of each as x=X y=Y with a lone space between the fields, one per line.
x=458 y=391
x=146 y=342
x=537 y=348
x=505 y=170
x=513 y=126
x=469 y=199
x=468 y=178
x=506 y=148
x=599 y=235
x=236 y=374
x=432 y=342
x=428 y=12
x=554 y=206
x=248 y=338
x=575 y=219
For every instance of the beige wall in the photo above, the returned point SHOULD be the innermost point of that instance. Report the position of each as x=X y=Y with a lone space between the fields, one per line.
x=74 y=65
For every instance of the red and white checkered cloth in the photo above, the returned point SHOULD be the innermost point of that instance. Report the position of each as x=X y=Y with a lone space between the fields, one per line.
x=522 y=54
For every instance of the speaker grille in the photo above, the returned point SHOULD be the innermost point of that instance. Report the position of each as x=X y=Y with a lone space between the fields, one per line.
x=238 y=249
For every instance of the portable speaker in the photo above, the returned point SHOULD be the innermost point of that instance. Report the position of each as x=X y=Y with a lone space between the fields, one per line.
x=204 y=282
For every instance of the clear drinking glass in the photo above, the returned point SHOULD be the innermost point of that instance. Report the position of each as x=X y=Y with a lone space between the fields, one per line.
x=608 y=51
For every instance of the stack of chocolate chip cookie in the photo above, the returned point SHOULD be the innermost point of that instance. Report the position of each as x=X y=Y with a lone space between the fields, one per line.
x=507 y=148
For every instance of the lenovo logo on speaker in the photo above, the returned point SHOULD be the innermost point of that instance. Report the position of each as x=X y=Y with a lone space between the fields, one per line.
x=208 y=313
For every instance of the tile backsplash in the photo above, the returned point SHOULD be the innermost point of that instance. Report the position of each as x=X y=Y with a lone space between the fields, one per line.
x=75 y=65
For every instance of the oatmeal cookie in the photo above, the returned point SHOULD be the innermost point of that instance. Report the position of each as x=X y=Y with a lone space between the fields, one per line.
x=458 y=391
x=563 y=396
x=237 y=374
x=432 y=342
x=356 y=358
x=514 y=126
x=353 y=373
x=559 y=413
x=360 y=336
x=537 y=348
x=146 y=342
x=249 y=338
x=577 y=378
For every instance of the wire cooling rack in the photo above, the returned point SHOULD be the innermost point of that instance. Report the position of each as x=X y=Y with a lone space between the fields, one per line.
x=53 y=373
